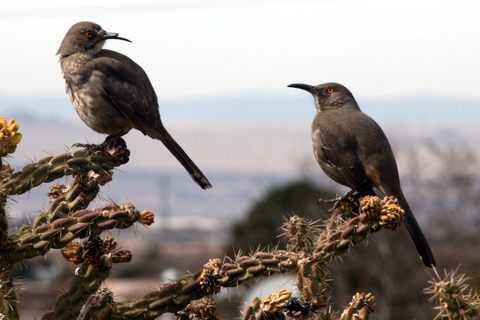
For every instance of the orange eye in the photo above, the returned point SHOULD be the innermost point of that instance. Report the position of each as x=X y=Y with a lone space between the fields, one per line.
x=89 y=34
x=330 y=90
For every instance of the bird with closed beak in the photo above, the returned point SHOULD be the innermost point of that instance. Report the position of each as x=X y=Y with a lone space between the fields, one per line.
x=112 y=94
x=352 y=149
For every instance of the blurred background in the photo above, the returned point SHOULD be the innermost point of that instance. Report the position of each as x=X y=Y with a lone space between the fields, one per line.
x=221 y=70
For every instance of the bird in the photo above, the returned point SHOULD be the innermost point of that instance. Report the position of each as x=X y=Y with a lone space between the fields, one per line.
x=112 y=94
x=353 y=150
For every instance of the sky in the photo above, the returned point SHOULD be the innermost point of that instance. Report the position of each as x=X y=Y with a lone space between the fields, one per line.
x=204 y=49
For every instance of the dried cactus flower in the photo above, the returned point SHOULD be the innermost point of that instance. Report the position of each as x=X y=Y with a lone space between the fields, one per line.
x=205 y=309
x=275 y=302
x=56 y=191
x=146 y=217
x=73 y=252
x=9 y=137
x=102 y=179
x=211 y=275
x=90 y=251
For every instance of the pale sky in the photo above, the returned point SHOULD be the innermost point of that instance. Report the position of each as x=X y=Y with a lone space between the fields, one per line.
x=214 y=48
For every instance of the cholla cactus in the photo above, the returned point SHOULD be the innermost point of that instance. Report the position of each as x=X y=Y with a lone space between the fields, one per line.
x=66 y=220
x=360 y=307
x=455 y=298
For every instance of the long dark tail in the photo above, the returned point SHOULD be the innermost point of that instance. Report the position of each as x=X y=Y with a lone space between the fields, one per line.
x=416 y=233
x=185 y=160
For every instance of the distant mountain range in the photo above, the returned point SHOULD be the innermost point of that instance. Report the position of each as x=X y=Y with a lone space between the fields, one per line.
x=257 y=106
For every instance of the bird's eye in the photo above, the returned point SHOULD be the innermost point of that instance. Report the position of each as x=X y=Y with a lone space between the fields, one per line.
x=89 y=34
x=330 y=90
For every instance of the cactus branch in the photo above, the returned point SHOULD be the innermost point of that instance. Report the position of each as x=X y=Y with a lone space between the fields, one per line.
x=53 y=167
x=87 y=280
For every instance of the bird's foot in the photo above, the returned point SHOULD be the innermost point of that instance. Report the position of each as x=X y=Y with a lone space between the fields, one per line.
x=85 y=145
x=338 y=200
x=90 y=147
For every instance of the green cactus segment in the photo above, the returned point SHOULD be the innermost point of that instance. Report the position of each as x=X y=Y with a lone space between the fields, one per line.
x=455 y=298
x=46 y=234
x=174 y=297
x=65 y=199
x=312 y=280
x=341 y=231
x=345 y=228
x=9 y=300
x=311 y=275
x=98 y=306
x=78 y=162
x=87 y=280
x=259 y=264
x=300 y=233
x=339 y=235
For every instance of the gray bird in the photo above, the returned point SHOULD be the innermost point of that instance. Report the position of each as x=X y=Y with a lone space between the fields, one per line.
x=352 y=149
x=112 y=94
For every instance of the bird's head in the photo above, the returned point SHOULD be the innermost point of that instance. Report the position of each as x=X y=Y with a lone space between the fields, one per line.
x=329 y=96
x=85 y=37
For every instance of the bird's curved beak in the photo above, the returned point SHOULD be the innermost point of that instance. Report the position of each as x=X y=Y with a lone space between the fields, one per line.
x=112 y=35
x=305 y=87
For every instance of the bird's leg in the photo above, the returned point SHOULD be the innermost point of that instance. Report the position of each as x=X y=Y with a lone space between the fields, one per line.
x=338 y=200
x=94 y=147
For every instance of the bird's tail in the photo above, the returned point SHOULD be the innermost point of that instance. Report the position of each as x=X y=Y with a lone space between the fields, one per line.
x=184 y=159
x=417 y=235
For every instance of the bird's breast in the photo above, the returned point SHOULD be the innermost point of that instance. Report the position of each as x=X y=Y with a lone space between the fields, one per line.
x=95 y=111
x=77 y=68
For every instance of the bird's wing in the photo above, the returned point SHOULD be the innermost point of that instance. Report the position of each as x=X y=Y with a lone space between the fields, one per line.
x=127 y=86
x=339 y=148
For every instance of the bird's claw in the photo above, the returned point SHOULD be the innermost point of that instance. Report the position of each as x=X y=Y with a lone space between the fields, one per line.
x=338 y=200
x=90 y=147
x=328 y=200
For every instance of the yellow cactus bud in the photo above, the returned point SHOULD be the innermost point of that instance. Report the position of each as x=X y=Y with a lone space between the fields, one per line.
x=16 y=139
x=9 y=137
x=13 y=127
